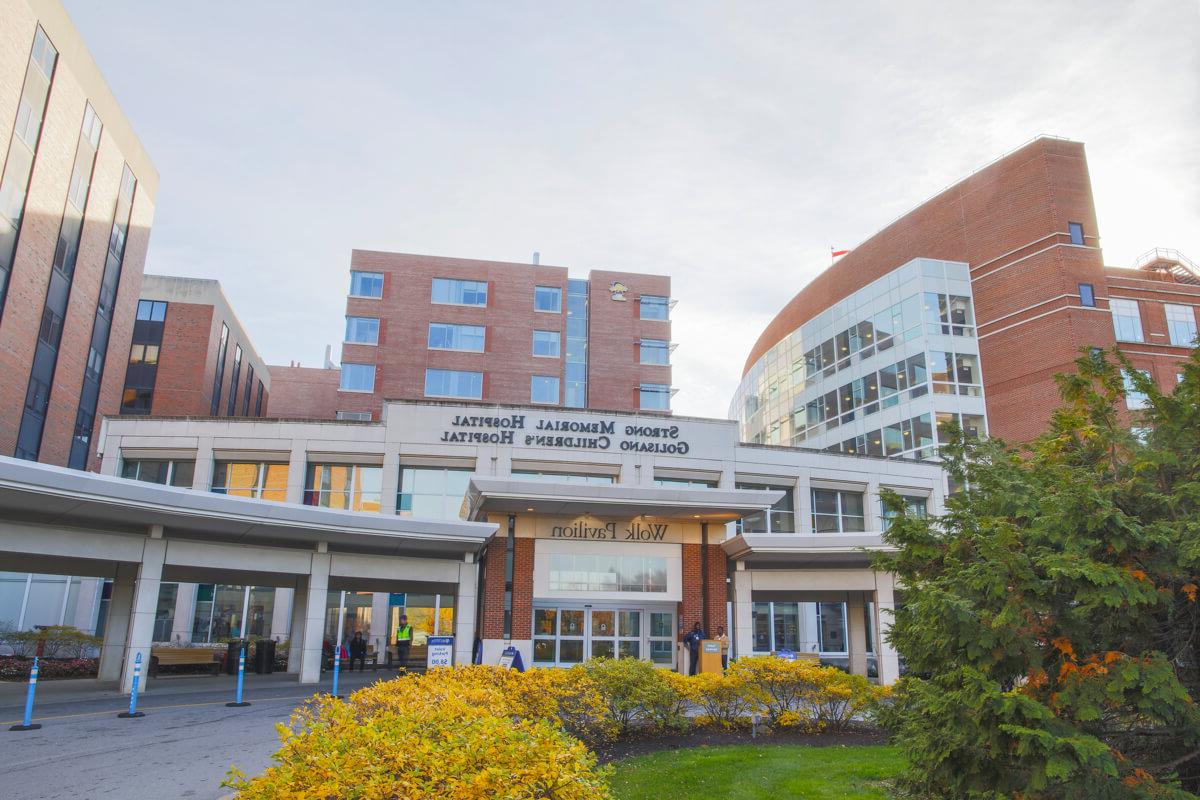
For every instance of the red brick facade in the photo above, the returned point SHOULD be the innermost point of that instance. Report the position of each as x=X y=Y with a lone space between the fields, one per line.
x=1010 y=223
x=76 y=83
x=705 y=591
x=507 y=363
x=303 y=393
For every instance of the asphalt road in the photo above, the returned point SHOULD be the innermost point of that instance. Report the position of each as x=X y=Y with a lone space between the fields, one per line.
x=182 y=748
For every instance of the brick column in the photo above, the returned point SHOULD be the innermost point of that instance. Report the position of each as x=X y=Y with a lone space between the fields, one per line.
x=718 y=591
x=689 y=608
x=493 y=589
x=522 y=591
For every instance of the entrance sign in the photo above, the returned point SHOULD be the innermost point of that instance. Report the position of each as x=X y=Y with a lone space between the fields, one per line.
x=592 y=529
x=440 y=652
x=511 y=659
x=786 y=655
x=397 y=599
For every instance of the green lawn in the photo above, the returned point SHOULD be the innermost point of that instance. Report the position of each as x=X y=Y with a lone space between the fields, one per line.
x=750 y=772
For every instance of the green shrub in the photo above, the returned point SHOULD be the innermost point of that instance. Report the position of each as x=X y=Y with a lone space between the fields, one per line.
x=636 y=692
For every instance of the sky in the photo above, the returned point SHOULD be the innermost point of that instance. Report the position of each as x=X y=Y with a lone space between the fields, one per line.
x=728 y=145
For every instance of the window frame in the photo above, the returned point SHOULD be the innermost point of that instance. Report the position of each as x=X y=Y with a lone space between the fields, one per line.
x=1188 y=315
x=1072 y=229
x=461 y=284
x=457 y=329
x=533 y=382
x=342 y=379
x=654 y=388
x=429 y=370
x=1115 y=303
x=662 y=345
x=652 y=301
x=351 y=319
x=558 y=295
x=1090 y=300
x=557 y=344
x=356 y=272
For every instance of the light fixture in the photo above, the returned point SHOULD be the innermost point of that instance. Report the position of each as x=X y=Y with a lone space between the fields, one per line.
x=529 y=509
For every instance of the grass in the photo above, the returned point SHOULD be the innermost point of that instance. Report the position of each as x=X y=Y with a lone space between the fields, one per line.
x=750 y=772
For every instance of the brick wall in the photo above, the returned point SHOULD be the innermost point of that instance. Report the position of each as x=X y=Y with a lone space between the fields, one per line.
x=493 y=588
x=303 y=392
x=615 y=329
x=186 y=361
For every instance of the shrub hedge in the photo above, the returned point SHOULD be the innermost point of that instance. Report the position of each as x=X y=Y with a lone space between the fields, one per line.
x=475 y=732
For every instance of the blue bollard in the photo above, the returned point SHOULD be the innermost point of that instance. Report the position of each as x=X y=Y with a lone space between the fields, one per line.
x=337 y=662
x=29 y=724
x=241 y=674
x=137 y=674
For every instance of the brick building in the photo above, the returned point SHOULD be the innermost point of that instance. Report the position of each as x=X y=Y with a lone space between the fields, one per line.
x=76 y=204
x=1026 y=227
x=190 y=355
x=434 y=327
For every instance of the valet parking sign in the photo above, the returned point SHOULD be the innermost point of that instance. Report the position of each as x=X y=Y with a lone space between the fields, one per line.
x=569 y=434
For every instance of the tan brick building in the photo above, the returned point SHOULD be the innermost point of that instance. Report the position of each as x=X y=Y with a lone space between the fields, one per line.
x=1026 y=227
x=422 y=327
x=76 y=203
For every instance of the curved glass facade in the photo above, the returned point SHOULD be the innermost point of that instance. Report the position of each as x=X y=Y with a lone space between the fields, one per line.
x=876 y=373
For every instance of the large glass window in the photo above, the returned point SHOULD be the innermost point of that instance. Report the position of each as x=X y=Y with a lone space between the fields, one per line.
x=835 y=511
x=1135 y=399
x=455 y=292
x=580 y=572
x=362 y=330
x=433 y=492
x=686 y=483
x=262 y=480
x=547 y=344
x=547 y=298
x=233 y=381
x=655 y=351
x=354 y=487
x=357 y=377
x=654 y=397
x=141 y=372
x=448 y=336
x=801 y=627
x=218 y=612
x=168 y=472
x=1127 y=319
x=780 y=518
x=453 y=383
x=1181 y=324
x=563 y=477
x=366 y=284
x=219 y=377
x=544 y=389
x=654 y=306
x=913 y=506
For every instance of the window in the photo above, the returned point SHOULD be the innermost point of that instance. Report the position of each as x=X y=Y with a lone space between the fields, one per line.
x=780 y=518
x=1076 y=231
x=261 y=480
x=143 y=354
x=356 y=416
x=544 y=389
x=432 y=492
x=563 y=477
x=913 y=506
x=362 y=330
x=258 y=398
x=837 y=511
x=151 y=311
x=1181 y=324
x=950 y=314
x=166 y=472
x=581 y=572
x=654 y=306
x=802 y=628
x=548 y=299
x=1135 y=399
x=366 y=284
x=654 y=351
x=1087 y=295
x=352 y=487
x=249 y=387
x=447 y=336
x=1127 y=319
x=455 y=292
x=686 y=483
x=453 y=383
x=547 y=344
x=218 y=378
x=358 y=378
x=654 y=397
x=233 y=381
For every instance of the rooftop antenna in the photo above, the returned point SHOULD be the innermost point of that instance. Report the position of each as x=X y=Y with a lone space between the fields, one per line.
x=537 y=257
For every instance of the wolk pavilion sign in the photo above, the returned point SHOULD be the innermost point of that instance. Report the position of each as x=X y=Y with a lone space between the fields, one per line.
x=566 y=434
x=600 y=530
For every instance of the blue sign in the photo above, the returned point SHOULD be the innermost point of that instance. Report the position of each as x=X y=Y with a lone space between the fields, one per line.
x=398 y=598
x=511 y=659
x=440 y=652
x=786 y=655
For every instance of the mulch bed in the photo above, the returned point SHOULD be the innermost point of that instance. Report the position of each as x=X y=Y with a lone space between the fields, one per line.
x=636 y=744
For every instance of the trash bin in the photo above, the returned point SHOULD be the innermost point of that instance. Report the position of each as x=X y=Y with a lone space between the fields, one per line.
x=231 y=658
x=264 y=656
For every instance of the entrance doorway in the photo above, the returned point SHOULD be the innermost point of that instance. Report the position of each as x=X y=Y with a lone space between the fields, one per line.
x=568 y=634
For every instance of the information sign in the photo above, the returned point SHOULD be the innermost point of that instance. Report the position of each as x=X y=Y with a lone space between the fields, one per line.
x=440 y=652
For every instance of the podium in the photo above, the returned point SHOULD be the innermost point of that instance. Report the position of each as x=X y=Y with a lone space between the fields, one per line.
x=710 y=656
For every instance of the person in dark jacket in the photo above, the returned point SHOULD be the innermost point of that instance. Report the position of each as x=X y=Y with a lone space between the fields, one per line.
x=693 y=639
x=358 y=652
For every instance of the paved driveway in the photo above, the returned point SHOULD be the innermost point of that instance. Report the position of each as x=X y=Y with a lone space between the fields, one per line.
x=182 y=748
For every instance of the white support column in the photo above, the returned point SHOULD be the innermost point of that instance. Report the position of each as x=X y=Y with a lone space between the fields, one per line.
x=116 y=628
x=281 y=612
x=381 y=620
x=856 y=633
x=464 y=609
x=390 y=485
x=145 y=604
x=885 y=606
x=202 y=476
x=296 y=631
x=297 y=471
x=314 y=616
x=743 y=612
x=185 y=612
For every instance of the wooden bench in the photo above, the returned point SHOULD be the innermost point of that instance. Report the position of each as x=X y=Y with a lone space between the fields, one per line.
x=204 y=656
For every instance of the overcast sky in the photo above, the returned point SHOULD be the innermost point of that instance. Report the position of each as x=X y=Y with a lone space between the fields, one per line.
x=728 y=145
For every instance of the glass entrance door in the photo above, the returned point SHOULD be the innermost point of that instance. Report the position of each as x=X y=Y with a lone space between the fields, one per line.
x=565 y=635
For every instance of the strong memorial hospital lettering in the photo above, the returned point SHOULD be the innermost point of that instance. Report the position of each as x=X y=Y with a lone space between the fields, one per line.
x=499 y=430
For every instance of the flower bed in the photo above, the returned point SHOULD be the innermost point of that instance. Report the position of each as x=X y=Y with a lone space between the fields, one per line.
x=17 y=669
x=477 y=732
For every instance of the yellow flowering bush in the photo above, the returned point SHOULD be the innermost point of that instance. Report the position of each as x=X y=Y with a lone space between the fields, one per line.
x=724 y=700
x=802 y=693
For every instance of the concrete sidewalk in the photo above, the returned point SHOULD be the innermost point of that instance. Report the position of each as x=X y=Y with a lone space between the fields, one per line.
x=183 y=747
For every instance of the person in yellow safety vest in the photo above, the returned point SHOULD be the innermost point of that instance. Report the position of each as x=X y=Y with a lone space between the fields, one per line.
x=404 y=635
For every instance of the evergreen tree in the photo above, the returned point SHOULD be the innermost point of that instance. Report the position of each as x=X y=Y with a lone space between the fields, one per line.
x=1049 y=619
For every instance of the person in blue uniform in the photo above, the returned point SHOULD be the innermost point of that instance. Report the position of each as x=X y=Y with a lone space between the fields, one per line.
x=693 y=639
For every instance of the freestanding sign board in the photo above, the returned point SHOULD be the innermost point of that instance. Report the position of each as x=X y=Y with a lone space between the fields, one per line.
x=511 y=659
x=440 y=652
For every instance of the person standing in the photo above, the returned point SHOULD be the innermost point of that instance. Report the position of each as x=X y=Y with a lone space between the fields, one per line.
x=404 y=636
x=693 y=639
x=358 y=652
x=724 y=640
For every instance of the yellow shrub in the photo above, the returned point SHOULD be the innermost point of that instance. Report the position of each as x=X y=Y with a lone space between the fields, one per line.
x=723 y=700
x=803 y=692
